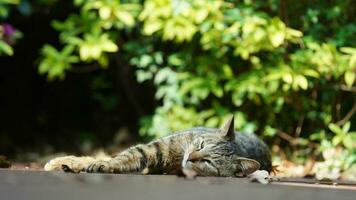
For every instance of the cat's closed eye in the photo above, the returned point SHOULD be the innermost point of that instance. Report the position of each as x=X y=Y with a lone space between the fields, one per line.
x=201 y=144
x=207 y=161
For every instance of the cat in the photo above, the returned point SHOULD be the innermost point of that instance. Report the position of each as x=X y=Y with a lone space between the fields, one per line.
x=197 y=151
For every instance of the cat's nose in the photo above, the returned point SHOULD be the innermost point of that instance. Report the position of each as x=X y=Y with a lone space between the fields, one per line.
x=195 y=156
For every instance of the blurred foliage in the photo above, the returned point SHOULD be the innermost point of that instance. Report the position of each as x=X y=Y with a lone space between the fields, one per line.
x=285 y=69
x=8 y=34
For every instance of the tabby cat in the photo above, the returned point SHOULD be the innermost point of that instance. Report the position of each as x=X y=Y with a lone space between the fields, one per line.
x=196 y=151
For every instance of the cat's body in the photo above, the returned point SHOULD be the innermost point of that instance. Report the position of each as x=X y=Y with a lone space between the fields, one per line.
x=204 y=151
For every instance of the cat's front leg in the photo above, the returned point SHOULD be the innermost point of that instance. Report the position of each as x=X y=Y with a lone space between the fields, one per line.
x=136 y=159
x=100 y=167
x=113 y=167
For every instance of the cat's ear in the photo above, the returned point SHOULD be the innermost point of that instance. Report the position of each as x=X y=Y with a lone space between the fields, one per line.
x=245 y=166
x=228 y=129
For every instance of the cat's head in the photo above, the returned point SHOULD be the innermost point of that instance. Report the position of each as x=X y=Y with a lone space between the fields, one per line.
x=214 y=154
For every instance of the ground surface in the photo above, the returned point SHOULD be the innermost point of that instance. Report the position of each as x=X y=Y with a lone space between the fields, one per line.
x=37 y=185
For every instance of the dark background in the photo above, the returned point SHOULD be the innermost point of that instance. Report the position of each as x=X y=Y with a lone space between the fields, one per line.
x=38 y=116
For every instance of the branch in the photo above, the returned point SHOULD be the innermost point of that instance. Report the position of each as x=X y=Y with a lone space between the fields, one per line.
x=294 y=141
x=298 y=129
x=347 y=116
x=347 y=88
x=283 y=11
x=287 y=137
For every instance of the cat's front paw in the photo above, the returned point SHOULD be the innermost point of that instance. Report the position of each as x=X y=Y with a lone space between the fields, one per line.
x=68 y=163
x=262 y=176
x=100 y=167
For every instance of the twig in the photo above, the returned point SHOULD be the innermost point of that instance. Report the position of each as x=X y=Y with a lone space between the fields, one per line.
x=292 y=140
x=283 y=11
x=298 y=130
x=287 y=137
x=347 y=88
x=347 y=116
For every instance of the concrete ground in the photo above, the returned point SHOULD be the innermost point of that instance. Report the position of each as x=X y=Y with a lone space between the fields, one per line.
x=37 y=185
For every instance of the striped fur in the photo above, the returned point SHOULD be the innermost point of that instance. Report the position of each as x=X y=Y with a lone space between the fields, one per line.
x=204 y=151
x=196 y=151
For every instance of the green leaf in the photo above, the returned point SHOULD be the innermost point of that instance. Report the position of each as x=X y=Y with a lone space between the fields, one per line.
x=227 y=71
x=125 y=17
x=10 y=1
x=212 y=122
x=217 y=91
x=294 y=33
x=109 y=46
x=352 y=62
x=335 y=129
x=337 y=140
x=153 y=26
x=105 y=12
x=85 y=52
x=349 y=140
x=311 y=73
x=103 y=61
x=55 y=63
x=302 y=141
x=288 y=78
x=200 y=15
x=6 y=49
x=302 y=82
x=78 y=2
x=349 y=78
x=348 y=50
x=270 y=131
x=318 y=135
x=346 y=127
x=277 y=38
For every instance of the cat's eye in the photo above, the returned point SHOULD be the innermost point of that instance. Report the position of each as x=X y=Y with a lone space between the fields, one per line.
x=201 y=144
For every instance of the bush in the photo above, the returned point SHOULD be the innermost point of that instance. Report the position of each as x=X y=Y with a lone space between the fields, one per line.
x=285 y=69
x=8 y=34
